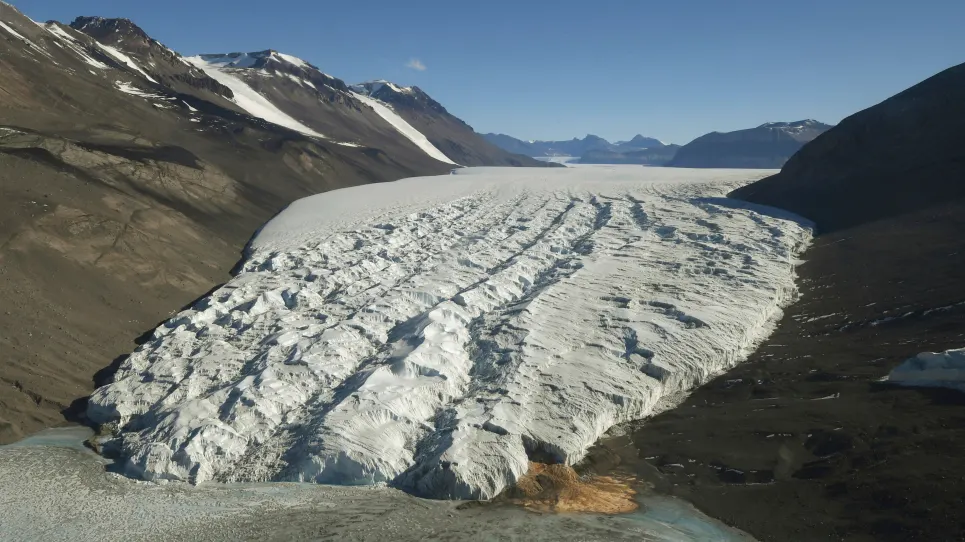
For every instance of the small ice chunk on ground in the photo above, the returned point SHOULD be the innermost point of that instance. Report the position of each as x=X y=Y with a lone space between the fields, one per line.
x=932 y=369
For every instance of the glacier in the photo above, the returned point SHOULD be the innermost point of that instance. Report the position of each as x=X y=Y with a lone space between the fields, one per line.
x=437 y=334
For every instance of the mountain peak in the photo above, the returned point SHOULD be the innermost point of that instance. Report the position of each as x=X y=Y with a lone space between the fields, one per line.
x=642 y=141
x=101 y=28
x=806 y=123
x=370 y=88
x=257 y=59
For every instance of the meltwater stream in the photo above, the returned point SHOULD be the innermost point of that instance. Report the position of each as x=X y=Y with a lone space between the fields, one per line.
x=53 y=488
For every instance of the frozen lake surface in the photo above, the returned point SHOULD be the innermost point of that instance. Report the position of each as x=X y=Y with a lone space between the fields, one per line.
x=53 y=489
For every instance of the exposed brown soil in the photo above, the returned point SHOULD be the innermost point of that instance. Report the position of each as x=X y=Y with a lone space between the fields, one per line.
x=802 y=441
x=558 y=488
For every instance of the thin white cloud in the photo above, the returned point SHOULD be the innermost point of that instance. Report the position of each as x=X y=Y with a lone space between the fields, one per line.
x=416 y=64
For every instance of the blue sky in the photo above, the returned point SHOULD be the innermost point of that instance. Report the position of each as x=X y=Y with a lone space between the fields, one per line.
x=541 y=69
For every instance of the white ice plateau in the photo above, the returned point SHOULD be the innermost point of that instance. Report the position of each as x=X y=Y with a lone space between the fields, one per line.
x=437 y=333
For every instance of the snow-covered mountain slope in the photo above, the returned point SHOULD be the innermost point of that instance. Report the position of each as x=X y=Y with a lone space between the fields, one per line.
x=404 y=128
x=447 y=133
x=249 y=100
x=272 y=86
x=438 y=333
x=291 y=92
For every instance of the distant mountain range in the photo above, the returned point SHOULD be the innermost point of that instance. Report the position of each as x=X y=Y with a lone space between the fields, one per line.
x=768 y=146
x=653 y=156
x=572 y=147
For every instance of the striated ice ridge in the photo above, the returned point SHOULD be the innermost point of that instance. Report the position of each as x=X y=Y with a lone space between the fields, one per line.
x=438 y=333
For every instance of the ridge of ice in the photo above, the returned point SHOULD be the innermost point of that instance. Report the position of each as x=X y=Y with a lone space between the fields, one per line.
x=248 y=98
x=932 y=369
x=435 y=332
x=403 y=127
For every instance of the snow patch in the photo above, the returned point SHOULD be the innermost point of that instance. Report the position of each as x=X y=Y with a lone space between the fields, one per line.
x=74 y=45
x=436 y=332
x=932 y=369
x=292 y=60
x=403 y=127
x=233 y=60
x=375 y=86
x=126 y=60
x=15 y=33
x=246 y=97
x=128 y=88
x=26 y=40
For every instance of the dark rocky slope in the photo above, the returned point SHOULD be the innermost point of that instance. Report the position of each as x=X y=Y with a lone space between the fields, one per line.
x=766 y=147
x=904 y=154
x=803 y=441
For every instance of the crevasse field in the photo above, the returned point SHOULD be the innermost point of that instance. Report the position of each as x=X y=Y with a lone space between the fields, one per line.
x=439 y=333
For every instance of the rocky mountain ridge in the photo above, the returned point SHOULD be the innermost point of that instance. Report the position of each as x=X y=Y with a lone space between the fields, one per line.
x=767 y=146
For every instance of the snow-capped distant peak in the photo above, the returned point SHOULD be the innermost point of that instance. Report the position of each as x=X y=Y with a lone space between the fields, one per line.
x=807 y=123
x=370 y=88
x=233 y=60
x=291 y=59
x=269 y=60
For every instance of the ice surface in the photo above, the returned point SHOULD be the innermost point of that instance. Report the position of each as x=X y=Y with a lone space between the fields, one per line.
x=435 y=333
x=74 y=46
x=932 y=369
x=404 y=127
x=246 y=97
